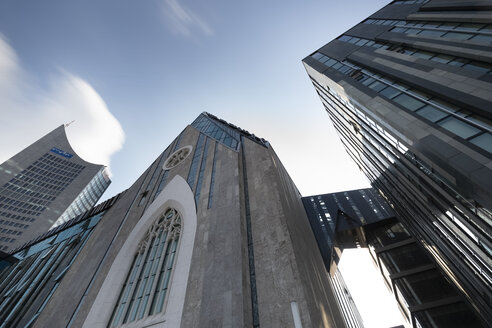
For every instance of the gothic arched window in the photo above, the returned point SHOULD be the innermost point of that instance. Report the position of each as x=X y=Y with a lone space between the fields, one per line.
x=147 y=282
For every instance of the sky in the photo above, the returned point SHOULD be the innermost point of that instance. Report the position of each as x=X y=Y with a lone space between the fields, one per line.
x=133 y=74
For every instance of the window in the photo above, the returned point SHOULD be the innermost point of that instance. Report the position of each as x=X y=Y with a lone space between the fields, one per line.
x=404 y=258
x=408 y=102
x=144 y=291
x=377 y=86
x=426 y=286
x=450 y=316
x=433 y=33
x=484 y=141
x=431 y=113
x=458 y=127
x=458 y=36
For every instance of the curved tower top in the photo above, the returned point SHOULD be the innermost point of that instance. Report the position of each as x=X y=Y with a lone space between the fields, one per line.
x=40 y=183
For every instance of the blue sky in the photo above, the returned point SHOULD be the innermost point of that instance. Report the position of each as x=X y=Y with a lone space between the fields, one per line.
x=133 y=74
x=157 y=64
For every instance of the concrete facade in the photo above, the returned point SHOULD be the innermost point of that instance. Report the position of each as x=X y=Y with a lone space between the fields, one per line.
x=252 y=257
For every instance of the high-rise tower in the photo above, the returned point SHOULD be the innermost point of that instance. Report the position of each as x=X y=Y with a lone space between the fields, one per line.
x=409 y=91
x=44 y=183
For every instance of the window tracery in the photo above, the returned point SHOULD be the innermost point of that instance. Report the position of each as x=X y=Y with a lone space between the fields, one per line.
x=148 y=279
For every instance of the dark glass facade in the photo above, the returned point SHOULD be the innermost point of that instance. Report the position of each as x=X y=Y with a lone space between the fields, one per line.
x=361 y=218
x=29 y=277
x=424 y=294
x=408 y=91
x=332 y=215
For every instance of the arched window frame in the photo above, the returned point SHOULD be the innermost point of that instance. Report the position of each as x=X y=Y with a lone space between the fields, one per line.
x=178 y=195
x=144 y=292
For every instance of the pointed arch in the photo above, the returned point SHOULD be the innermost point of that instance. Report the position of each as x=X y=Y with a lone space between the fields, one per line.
x=177 y=197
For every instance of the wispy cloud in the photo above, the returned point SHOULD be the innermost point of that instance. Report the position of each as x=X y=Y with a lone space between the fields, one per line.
x=27 y=112
x=184 y=21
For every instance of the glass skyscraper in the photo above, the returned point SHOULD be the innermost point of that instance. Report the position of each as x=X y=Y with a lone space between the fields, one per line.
x=409 y=91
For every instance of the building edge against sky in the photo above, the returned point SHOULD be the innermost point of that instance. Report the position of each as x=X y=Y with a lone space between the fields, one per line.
x=408 y=91
x=214 y=232
x=43 y=185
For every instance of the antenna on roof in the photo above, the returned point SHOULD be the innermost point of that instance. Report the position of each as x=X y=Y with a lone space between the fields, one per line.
x=67 y=124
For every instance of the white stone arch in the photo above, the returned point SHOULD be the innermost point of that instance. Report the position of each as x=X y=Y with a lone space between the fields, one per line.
x=178 y=195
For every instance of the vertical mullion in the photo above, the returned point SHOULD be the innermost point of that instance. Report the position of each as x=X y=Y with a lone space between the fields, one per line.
x=57 y=257
x=26 y=294
x=167 y=274
x=142 y=280
x=128 y=305
x=156 y=270
x=163 y=261
x=125 y=291
x=142 y=305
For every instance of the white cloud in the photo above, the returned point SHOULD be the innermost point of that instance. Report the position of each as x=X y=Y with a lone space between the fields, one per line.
x=183 y=20
x=27 y=112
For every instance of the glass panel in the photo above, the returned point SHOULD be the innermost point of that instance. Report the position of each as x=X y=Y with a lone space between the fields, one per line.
x=330 y=62
x=431 y=113
x=353 y=40
x=337 y=65
x=386 y=235
x=399 y=29
x=483 y=141
x=345 y=38
x=442 y=58
x=427 y=286
x=458 y=62
x=478 y=66
x=361 y=42
x=408 y=102
x=377 y=86
x=368 y=81
x=390 y=92
x=404 y=258
x=456 y=315
x=317 y=56
x=458 y=127
x=412 y=31
x=458 y=36
x=432 y=33
x=344 y=69
x=470 y=27
x=482 y=38
x=423 y=54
